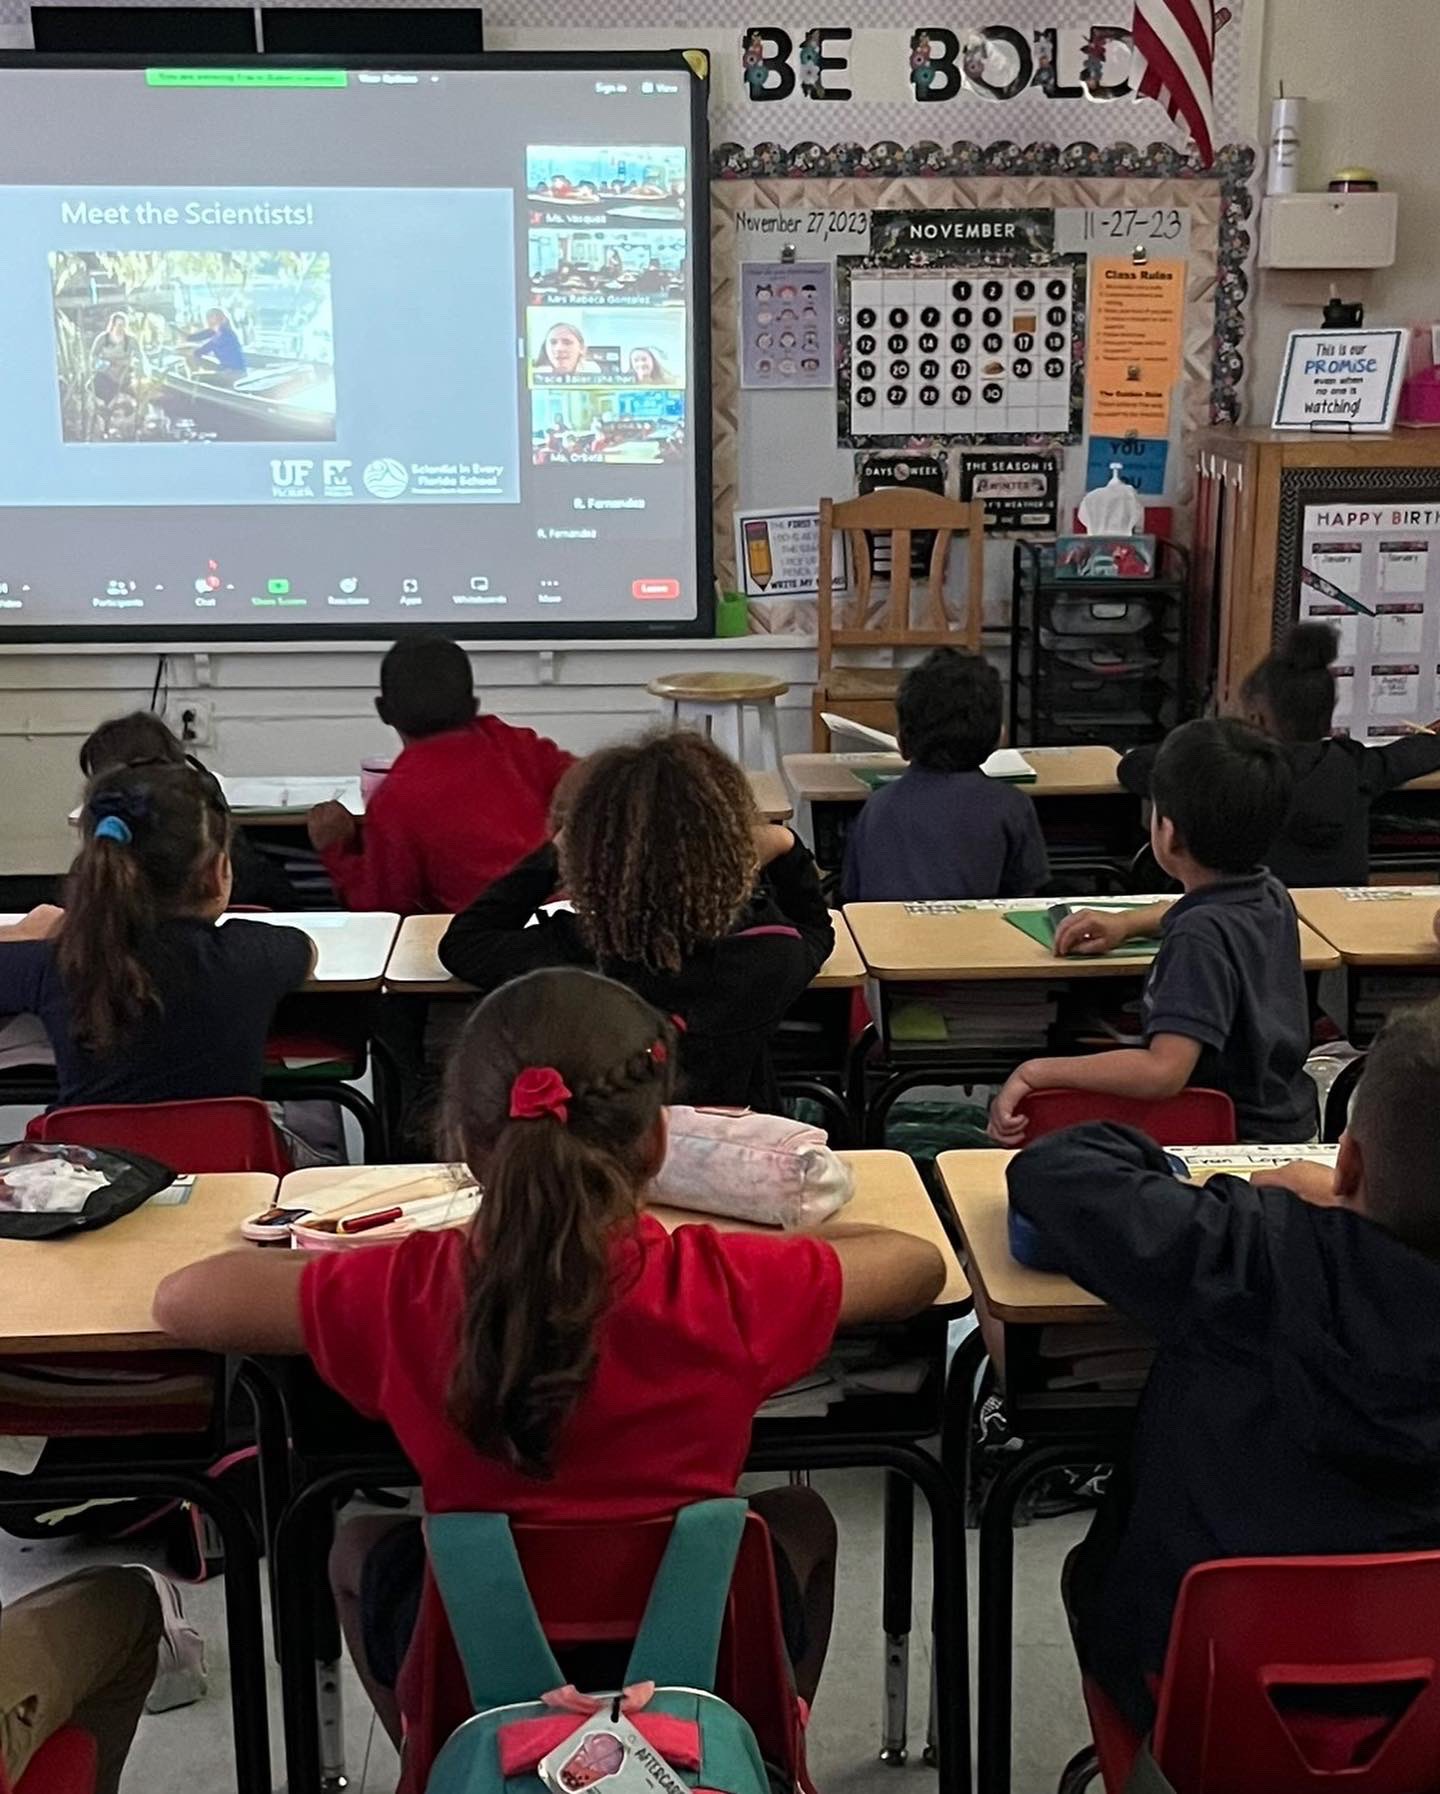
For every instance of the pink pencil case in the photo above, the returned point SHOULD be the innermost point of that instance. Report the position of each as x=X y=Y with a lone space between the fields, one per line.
x=751 y=1167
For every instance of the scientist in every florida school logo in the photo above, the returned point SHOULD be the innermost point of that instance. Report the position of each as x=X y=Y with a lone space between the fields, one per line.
x=386 y=478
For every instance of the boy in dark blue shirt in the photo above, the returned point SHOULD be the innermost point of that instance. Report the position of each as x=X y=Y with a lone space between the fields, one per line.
x=944 y=830
x=1225 y=1003
x=1294 y=1405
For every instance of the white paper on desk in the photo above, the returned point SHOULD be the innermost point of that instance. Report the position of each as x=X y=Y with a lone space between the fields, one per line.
x=292 y=794
x=19 y=1453
x=843 y=725
x=1387 y=893
x=1250 y=1158
x=1007 y=763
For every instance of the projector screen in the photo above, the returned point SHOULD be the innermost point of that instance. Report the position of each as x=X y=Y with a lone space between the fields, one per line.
x=300 y=350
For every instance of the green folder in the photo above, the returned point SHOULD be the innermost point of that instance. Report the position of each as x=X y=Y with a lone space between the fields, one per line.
x=1041 y=924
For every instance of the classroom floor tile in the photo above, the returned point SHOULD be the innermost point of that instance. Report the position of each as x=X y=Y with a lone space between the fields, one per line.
x=189 y=1749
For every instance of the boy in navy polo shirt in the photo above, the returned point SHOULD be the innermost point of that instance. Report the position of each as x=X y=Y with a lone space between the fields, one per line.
x=944 y=830
x=1225 y=1003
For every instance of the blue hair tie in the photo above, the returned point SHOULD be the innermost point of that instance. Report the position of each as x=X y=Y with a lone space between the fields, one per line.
x=113 y=828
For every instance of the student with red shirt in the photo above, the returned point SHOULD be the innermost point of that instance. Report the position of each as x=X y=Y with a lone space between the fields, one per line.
x=605 y=1368
x=468 y=797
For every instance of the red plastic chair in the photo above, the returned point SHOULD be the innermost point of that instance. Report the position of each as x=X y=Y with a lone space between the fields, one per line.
x=589 y=1584
x=64 y=1764
x=230 y=1133
x=1301 y=1674
x=1196 y=1117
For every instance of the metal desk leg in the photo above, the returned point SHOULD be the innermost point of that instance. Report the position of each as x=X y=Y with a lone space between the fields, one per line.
x=898 y=1579
x=997 y=1610
x=947 y=1526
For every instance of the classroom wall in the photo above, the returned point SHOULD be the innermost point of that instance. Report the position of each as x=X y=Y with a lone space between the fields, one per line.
x=1370 y=83
x=1368 y=75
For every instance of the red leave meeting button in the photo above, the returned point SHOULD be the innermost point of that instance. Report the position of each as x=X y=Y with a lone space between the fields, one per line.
x=655 y=588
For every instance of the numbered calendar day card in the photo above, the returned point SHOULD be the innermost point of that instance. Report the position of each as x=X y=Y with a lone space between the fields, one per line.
x=960 y=324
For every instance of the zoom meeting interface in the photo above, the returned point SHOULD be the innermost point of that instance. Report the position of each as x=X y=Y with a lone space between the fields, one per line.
x=346 y=347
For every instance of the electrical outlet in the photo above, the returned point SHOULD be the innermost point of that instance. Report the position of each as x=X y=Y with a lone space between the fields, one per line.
x=193 y=720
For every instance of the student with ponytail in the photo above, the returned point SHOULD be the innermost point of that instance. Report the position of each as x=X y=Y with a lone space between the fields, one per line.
x=563 y=1358
x=1291 y=696
x=142 y=997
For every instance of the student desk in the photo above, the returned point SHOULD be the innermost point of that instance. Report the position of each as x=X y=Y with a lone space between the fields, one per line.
x=354 y=946
x=808 y=1051
x=287 y=802
x=415 y=970
x=1084 y=811
x=1040 y=1331
x=941 y=944
x=1385 y=935
x=91 y=1294
x=333 y=1450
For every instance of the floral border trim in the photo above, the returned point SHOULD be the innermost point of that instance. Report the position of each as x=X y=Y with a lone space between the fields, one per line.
x=1233 y=169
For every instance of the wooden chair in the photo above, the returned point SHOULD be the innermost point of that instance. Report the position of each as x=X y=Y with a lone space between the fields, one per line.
x=868 y=693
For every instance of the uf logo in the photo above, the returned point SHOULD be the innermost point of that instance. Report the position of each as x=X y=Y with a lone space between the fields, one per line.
x=291 y=474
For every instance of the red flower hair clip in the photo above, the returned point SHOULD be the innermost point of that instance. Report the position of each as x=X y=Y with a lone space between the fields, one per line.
x=537 y=1091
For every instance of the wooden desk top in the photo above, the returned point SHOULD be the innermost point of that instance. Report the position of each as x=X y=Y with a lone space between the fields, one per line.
x=772 y=799
x=415 y=969
x=888 y=1193
x=354 y=945
x=1388 y=926
x=285 y=803
x=975 y=945
x=1062 y=772
x=92 y=1291
x=974 y=1182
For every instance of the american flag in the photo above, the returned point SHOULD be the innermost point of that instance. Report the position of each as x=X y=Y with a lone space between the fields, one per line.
x=1175 y=40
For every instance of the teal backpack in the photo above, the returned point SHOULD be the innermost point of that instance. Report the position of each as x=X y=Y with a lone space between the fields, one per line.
x=704 y=1743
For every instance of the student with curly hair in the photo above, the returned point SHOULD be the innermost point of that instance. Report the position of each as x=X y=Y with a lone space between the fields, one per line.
x=681 y=892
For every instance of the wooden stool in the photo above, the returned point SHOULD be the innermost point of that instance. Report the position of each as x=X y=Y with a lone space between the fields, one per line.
x=715 y=704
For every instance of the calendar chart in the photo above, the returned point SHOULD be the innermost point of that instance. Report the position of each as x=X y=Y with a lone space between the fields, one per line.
x=962 y=351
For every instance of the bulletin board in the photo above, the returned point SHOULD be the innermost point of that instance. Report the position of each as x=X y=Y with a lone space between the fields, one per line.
x=997 y=335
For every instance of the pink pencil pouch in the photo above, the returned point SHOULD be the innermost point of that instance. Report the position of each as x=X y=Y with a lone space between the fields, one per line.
x=751 y=1167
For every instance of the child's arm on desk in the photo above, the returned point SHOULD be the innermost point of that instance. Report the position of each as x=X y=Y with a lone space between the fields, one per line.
x=1160 y=1068
x=1090 y=932
x=1163 y=1252
x=246 y=1301
x=489 y=944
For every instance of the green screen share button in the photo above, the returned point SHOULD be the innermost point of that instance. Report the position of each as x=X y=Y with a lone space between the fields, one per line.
x=246 y=77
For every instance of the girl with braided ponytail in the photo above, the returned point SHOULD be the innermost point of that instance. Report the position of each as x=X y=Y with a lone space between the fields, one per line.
x=681 y=892
x=563 y=1358
x=143 y=998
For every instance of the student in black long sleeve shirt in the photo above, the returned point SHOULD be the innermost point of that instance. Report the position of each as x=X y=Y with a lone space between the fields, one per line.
x=660 y=852
x=1294 y=1405
x=1325 y=839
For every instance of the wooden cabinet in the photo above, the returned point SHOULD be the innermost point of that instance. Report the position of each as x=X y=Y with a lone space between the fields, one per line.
x=1252 y=488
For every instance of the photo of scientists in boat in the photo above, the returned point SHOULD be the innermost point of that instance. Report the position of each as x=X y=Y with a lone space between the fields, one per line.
x=626 y=428
x=605 y=267
x=194 y=345
x=612 y=183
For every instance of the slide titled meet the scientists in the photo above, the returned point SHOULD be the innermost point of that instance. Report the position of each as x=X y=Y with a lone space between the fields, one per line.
x=175 y=345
